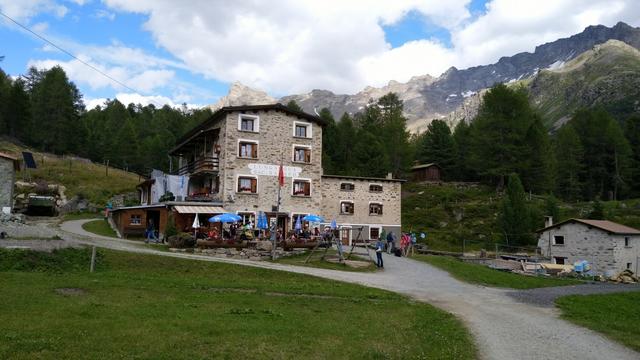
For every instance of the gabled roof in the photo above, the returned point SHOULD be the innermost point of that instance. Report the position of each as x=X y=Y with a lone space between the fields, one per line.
x=16 y=163
x=227 y=109
x=605 y=225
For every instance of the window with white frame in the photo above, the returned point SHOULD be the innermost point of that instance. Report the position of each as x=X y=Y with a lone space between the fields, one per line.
x=135 y=220
x=247 y=217
x=301 y=129
x=375 y=209
x=375 y=188
x=347 y=186
x=247 y=184
x=558 y=240
x=374 y=233
x=248 y=122
x=346 y=207
x=301 y=154
x=247 y=149
x=301 y=187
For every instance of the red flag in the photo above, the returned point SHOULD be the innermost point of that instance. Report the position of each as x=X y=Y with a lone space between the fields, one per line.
x=281 y=175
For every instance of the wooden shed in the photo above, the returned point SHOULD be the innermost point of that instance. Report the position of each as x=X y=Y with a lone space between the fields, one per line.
x=426 y=172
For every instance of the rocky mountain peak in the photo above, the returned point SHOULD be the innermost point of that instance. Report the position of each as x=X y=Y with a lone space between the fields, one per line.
x=240 y=94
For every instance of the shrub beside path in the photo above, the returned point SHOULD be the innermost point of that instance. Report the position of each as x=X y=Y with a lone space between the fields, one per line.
x=503 y=327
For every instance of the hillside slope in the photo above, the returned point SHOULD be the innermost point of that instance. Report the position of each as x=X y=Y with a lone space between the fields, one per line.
x=607 y=75
x=81 y=177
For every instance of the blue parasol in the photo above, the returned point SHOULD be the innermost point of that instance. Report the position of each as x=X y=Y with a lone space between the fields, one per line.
x=334 y=225
x=225 y=218
x=313 y=218
x=262 y=221
x=298 y=224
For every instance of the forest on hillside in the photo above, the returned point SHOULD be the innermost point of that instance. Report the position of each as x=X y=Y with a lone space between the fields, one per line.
x=593 y=156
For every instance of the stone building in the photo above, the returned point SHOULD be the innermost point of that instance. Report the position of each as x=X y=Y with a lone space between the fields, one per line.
x=608 y=246
x=230 y=163
x=8 y=167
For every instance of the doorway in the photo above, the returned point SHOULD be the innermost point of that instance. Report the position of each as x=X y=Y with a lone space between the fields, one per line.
x=345 y=236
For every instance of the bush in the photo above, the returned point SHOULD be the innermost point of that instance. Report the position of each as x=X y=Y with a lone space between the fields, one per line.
x=181 y=241
x=170 y=230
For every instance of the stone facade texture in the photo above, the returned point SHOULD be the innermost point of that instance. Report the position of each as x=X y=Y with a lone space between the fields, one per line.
x=7 y=179
x=605 y=251
x=275 y=144
x=362 y=197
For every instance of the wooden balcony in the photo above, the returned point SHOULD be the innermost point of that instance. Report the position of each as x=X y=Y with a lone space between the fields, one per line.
x=207 y=164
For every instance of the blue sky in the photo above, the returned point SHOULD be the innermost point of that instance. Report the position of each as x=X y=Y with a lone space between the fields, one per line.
x=174 y=52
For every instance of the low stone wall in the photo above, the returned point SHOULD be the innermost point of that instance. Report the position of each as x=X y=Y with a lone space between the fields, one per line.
x=246 y=254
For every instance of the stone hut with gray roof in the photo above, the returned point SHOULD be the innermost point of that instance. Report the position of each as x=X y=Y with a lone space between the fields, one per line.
x=609 y=247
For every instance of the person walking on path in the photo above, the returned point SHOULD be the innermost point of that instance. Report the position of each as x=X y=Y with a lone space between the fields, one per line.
x=404 y=243
x=379 y=249
x=391 y=237
x=412 y=244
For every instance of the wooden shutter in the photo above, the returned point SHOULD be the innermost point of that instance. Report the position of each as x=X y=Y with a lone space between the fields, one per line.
x=254 y=185
x=254 y=150
x=307 y=155
x=307 y=188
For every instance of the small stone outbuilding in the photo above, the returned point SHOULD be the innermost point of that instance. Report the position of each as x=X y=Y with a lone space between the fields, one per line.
x=610 y=247
x=8 y=167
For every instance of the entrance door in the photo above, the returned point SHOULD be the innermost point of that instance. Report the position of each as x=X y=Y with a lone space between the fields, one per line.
x=281 y=222
x=154 y=216
x=345 y=236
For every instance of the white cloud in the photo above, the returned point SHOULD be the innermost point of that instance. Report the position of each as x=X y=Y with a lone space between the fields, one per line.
x=25 y=9
x=294 y=46
x=135 y=98
x=104 y=14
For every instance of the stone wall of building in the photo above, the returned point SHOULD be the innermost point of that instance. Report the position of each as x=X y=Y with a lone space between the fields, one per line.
x=275 y=144
x=606 y=252
x=361 y=196
x=627 y=254
x=7 y=179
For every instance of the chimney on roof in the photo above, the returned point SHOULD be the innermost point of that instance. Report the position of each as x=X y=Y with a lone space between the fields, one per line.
x=548 y=221
x=390 y=176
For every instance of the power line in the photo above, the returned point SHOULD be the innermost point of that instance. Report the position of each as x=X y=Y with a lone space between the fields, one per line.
x=68 y=53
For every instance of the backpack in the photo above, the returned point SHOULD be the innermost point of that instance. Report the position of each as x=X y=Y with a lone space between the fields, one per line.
x=389 y=237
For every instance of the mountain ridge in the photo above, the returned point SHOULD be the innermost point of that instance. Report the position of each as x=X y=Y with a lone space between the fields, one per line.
x=455 y=94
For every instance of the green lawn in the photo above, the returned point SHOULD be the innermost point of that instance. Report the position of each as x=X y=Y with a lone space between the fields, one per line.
x=615 y=315
x=480 y=274
x=155 y=307
x=99 y=227
x=81 y=216
x=317 y=263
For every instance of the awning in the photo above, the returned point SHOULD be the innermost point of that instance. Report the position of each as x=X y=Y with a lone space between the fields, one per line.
x=195 y=209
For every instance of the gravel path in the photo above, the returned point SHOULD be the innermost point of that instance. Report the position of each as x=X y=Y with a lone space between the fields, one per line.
x=547 y=296
x=503 y=327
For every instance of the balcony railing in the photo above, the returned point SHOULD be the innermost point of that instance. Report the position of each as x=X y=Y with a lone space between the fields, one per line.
x=203 y=164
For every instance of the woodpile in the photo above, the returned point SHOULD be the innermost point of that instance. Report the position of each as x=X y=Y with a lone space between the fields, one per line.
x=625 y=277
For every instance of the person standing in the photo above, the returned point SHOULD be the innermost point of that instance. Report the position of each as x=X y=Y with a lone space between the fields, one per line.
x=390 y=242
x=379 y=249
x=412 y=244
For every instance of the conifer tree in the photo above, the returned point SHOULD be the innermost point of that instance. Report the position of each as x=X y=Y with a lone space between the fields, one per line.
x=437 y=146
x=569 y=155
x=293 y=105
x=538 y=171
x=515 y=217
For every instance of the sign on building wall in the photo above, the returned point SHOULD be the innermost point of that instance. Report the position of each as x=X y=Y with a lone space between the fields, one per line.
x=272 y=170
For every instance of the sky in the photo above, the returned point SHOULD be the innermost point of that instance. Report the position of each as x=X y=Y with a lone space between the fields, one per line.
x=175 y=52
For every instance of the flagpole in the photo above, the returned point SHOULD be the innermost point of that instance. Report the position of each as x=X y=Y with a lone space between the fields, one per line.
x=274 y=234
